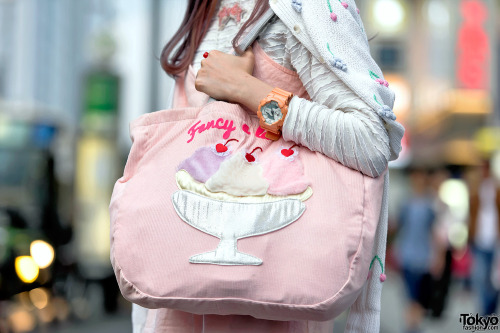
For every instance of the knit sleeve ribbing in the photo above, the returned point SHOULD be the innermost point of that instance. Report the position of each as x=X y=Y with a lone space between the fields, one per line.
x=336 y=122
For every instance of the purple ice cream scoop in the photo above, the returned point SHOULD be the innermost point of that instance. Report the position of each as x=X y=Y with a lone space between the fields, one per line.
x=203 y=163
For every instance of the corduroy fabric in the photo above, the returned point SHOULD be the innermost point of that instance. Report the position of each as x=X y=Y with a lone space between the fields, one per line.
x=302 y=266
x=150 y=163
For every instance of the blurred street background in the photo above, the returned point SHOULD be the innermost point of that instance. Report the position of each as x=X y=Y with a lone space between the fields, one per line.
x=74 y=73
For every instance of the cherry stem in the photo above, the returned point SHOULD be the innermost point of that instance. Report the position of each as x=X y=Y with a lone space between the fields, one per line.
x=293 y=146
x=255 y=150
x=230 y=141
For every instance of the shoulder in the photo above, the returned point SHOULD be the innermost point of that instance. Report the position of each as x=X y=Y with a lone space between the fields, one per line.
x=317 y=12
x=332 y=30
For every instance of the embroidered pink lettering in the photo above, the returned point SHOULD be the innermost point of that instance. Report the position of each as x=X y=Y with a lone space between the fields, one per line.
x=192 y=131
x=261 y=133
x=217 y=122
x=246 y=129
x=227 y=125
x=229 y=129
x=210 y=124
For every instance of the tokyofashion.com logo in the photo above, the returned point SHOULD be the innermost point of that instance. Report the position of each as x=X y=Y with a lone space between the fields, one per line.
x=476 y=322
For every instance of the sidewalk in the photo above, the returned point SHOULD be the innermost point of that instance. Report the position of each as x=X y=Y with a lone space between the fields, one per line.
x=393 y=305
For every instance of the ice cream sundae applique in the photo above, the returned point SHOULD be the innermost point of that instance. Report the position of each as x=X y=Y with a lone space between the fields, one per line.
x=205 y=161
x=236 y=200
x=240 y=175
x=285 y=172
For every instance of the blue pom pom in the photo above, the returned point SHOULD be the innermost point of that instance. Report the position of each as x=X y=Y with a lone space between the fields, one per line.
x=297 y=5
x=386 y=112
x=338 y=63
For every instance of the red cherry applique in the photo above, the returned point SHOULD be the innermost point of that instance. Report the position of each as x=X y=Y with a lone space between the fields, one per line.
x=250 y=158
x=221 y=148
x=288 y=152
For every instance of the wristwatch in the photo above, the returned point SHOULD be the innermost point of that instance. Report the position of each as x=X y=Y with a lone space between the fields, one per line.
x=272 y=112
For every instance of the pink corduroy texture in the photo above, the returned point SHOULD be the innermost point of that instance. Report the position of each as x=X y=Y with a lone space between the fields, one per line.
x=313 y=269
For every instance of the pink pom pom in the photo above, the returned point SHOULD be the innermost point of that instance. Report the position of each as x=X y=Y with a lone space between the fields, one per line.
x=333 y=16
x=386 y=84
x=383 y=277
x=345 y=5
x=357 y=10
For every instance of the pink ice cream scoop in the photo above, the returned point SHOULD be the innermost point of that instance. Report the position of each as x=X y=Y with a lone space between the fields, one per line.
x=285 y=173
x=205 y=161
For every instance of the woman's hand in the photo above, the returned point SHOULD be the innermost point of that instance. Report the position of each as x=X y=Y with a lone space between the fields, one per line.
x=229 y=78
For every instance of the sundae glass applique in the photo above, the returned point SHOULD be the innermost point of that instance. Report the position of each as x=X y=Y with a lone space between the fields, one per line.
x=238 y=196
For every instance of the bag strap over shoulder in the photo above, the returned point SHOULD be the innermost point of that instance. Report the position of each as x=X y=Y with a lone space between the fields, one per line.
x=257 y=28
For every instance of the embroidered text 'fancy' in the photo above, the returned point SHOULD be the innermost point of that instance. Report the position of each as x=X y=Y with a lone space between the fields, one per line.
x=220 y=123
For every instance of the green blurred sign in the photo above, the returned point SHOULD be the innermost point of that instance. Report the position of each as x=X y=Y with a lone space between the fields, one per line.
x=102 y=93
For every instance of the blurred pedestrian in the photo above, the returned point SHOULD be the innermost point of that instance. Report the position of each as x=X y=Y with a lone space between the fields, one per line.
x=484 y=226
x=414 y=251
x=441 y=265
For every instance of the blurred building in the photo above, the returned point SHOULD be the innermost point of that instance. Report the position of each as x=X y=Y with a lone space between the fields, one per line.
x=74 y=73
x=440 y=56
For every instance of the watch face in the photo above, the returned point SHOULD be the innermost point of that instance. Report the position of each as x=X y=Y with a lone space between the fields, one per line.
x=271 y=112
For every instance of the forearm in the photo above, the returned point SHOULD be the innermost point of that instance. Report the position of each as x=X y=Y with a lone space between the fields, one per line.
x=249 y=91
x=351 y=136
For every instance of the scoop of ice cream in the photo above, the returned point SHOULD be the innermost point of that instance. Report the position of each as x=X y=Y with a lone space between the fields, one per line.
x=238 y=177
x=203 y=163
x=285 y=173
x=188 y=183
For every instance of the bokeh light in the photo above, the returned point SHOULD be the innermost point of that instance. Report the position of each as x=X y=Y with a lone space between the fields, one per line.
x=42 y=252
x=495 y=165
x=389 y=14
x=47 y=314
x=21 y=320
x=26 y=268
x=39 y=297
x=457 y=235
x=455 y=194
x=438 y=15
x=24 y=300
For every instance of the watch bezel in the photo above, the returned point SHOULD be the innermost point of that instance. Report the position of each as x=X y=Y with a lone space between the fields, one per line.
x=282 y=98
x=279 y=107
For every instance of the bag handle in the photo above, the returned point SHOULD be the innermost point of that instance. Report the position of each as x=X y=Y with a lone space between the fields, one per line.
x=255 y=31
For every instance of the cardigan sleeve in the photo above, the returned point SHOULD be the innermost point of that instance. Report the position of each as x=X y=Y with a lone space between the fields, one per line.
x=336 y=122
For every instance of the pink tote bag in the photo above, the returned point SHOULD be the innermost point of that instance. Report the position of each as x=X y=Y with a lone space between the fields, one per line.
x=210 y=217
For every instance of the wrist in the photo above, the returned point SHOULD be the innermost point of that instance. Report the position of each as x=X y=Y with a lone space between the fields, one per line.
x=250 y=91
